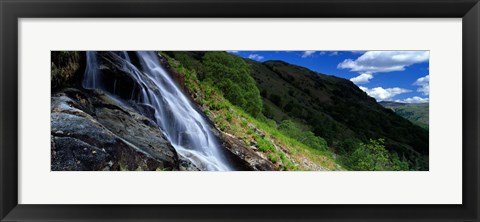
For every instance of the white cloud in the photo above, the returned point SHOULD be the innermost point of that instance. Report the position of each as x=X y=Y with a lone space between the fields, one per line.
x=381 y=94
x=362 y=78
x=424 y=83
x=307 y=54
x=234 y=52
x=333 y=53
x=414 y=99
x=384 y=61
x=255 y=57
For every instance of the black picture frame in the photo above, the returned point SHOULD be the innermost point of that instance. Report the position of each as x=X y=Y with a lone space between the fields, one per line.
x=11 y=11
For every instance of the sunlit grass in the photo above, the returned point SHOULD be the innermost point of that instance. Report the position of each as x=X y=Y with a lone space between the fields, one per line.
x=283 y=151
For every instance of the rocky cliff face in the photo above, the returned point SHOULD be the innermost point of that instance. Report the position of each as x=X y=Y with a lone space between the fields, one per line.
x=92 y=130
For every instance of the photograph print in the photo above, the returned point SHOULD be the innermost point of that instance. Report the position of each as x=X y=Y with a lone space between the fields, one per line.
x=239 y=110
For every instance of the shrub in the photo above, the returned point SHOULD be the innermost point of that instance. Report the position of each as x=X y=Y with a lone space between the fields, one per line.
x=190 y=63
x=373 y=156
x=228 y=117
x=231 y=75
x=222 y=126
x=308 y=138
x=65 y=68
x=244 y=123
x=264 y=145
x=398 y=164
x=273 y=157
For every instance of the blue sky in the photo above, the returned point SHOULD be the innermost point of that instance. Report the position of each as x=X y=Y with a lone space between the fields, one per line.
x=401 y=76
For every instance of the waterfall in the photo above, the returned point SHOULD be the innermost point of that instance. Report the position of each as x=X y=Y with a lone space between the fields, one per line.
x=91 y=78
x=185 y=128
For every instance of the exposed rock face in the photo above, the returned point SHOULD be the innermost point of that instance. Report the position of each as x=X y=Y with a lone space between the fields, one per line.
x=248 y=157
x=92 y=131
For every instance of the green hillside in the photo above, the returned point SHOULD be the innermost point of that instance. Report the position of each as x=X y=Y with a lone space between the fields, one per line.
x=318 y=112
x=417 y=113
x=337 y=110
x=285 y=145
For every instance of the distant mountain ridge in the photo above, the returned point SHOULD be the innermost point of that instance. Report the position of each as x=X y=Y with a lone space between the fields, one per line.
x=417 y=113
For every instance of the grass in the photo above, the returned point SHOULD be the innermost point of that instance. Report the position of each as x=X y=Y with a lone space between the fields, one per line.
x=285 y=152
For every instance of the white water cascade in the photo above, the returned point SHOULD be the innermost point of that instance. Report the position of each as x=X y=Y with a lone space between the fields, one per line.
x=186 y=129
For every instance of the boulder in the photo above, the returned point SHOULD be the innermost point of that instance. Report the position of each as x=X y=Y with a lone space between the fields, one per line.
x=249 y=158
x=93 y=131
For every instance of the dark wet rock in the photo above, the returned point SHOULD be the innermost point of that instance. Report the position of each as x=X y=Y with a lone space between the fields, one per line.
x=134 y=130
x=145 y=109
x=248 y=157
x=81 y=127
x=93 y=131
x=74 y=154
x=186 y=165
x=116 y=76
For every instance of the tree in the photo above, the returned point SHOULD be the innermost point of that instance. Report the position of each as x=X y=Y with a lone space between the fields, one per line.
x=231 y=75
x=370 y=156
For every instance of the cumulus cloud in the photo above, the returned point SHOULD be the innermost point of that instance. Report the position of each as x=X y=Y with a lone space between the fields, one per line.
x=255 y=57
x=307 y=54
x=381 y=94
x=234 y=52
x=424 y=83
x=414 y=99
x=362 y=78
x=384 y=61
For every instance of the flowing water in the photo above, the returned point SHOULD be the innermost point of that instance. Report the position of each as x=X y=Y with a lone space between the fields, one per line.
x=186 y=129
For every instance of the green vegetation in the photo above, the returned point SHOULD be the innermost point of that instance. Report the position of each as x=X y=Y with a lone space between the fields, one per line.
x=288 y=127
x=64 y=69
x=373 y=156
x=227 y=73
x=336 y=110
x=264 y=145
x=417 y=113
x=298 y=118
x=231 y=75
x=285 y=152
x=273 y=157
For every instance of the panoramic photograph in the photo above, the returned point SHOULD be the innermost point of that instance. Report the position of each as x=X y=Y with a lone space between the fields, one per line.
x=239 y=110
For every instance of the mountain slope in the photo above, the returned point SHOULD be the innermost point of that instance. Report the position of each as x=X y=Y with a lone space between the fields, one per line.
x=417 y=113
x=277 y=144
x=332 y=108
x=336 y=109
